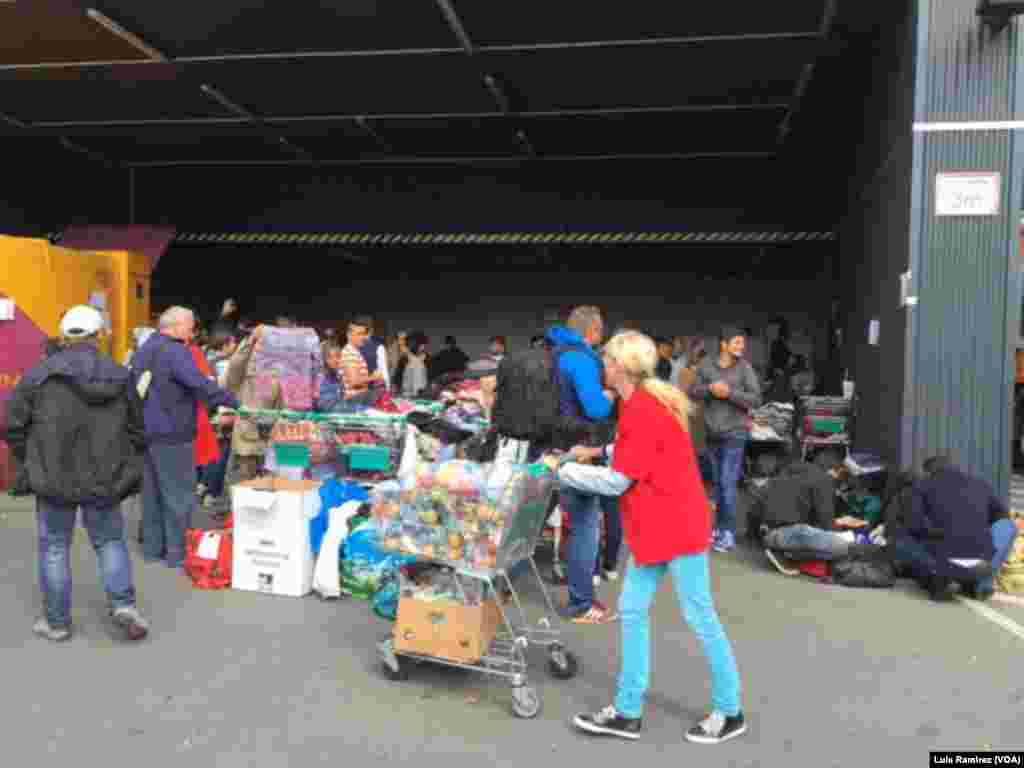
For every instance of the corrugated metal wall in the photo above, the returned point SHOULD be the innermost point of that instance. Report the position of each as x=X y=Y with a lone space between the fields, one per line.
x=959 y=404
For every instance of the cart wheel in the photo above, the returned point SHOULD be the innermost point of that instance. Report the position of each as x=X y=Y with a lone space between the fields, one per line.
x=525 y=702
x=395 y=675
x=563 y=664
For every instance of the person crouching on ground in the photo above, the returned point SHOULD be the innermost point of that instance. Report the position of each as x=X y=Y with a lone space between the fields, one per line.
x=667 y=523
x=75 y=426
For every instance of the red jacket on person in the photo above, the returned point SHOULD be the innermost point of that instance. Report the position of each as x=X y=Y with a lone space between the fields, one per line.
x=207 y=448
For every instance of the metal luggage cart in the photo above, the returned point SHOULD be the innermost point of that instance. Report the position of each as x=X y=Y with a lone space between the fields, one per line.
x=506 y=657
x=832 y=421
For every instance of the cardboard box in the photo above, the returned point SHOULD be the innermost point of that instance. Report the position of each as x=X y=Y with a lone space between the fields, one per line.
x=446 y=629
x=273 y=553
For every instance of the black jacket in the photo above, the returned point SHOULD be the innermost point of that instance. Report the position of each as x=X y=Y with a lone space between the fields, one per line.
x=803 y=493
x=74 y=426
x=952 y=513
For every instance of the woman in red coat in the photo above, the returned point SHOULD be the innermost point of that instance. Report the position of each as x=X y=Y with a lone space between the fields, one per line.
x=207 y=449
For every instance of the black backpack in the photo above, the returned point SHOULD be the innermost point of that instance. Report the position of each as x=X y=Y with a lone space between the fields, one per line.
x=526 y=404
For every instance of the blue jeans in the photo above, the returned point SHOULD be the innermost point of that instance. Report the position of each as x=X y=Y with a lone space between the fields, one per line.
x=582 y=546
x=806 y=540
x=692 y=581
x=217 y=472
x=56 y=528
x=168 y=502
x=726 y=457
x=922 y=564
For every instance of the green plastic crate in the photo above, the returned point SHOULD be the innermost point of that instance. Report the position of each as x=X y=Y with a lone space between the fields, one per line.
x=369 y=458
x=826 y=425
x=292 y=455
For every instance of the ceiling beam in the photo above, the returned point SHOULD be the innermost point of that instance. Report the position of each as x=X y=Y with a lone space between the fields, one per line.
x=132 y=39
x=246 y=117
x=495 y=160
x=828 y=20
x=285 y=119
x=781 y=37
x=456 y=26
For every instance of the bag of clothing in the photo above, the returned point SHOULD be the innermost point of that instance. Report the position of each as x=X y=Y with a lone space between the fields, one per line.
x=864 y=573
x=288 y=360
x=208 y=558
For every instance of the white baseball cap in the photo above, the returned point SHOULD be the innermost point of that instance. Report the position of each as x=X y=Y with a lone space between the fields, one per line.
x=81 y=321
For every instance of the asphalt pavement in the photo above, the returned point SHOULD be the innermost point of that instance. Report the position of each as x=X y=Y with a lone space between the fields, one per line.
x=832 y=677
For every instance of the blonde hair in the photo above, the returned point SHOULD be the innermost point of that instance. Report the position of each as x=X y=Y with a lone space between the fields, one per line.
x=582 y=319
x=638 y=355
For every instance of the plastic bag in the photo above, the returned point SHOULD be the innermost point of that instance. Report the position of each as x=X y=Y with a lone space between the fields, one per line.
x=208 y=558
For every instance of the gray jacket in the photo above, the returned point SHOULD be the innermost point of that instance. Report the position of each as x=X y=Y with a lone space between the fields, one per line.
x=727 y=418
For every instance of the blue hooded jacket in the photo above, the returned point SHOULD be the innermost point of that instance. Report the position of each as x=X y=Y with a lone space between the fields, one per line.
x=580 y=377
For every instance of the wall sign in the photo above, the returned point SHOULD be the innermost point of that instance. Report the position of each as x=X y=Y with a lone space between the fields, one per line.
x=968 y=194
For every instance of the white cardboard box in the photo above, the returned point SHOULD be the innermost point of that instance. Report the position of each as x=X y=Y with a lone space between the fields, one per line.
x=272 y=549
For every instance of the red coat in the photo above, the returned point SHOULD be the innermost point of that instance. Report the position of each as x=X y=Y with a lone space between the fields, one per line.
x=207 y=448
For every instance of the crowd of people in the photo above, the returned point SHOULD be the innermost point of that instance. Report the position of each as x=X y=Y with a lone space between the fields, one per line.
x=650 y=436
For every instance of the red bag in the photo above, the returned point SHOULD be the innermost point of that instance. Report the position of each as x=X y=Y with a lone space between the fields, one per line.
x=208 y=558
x=816 y=569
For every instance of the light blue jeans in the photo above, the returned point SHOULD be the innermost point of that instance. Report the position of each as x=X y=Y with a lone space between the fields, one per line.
x=692 y=580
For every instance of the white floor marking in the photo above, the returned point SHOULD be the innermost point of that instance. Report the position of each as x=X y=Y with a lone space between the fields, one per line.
x=994 y=616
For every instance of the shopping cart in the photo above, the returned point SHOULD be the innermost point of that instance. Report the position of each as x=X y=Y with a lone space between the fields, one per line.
x=366 y=449
x=506 y=656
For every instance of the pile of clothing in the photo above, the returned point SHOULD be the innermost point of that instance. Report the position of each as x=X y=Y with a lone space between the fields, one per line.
x=772 y=421
x=287 y=360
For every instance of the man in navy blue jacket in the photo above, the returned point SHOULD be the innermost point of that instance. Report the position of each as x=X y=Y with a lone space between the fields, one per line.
x=955 y=518
x=175 y=388
x=583 y=400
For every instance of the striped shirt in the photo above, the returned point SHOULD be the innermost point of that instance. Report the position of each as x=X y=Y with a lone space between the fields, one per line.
x=354 y=372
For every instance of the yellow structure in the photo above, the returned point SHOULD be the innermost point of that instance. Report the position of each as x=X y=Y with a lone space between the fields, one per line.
x=45 y=281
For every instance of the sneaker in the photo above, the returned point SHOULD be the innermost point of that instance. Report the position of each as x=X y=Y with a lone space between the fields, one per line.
x=55 y=634
x=201 y=490
x=597 y=614
x=777 y=562
x=131 y=622
x=608 y=722
x=726 y=542
x=717 y=728
x=597 y=580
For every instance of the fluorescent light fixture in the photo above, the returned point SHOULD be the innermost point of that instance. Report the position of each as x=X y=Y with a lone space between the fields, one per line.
x=225 y=102
x=133 y=40
x=497 y=92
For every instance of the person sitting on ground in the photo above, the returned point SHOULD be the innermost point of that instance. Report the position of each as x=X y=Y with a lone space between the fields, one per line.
x=798 y=514
x=959 y=531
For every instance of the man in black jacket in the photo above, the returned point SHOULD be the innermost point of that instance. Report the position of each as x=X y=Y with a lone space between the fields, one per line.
x=798 y=512
x=956 y=524
x=75 y=427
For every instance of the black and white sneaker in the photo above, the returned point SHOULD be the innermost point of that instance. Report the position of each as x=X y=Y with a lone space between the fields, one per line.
x=717 y=728
x=608 y=722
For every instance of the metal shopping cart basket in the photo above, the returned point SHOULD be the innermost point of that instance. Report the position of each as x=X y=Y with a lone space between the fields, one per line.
x=366 y=448
x=506 y=655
